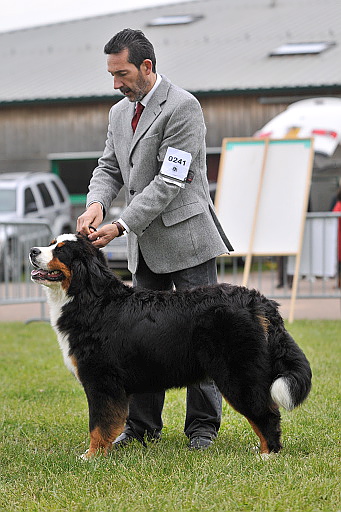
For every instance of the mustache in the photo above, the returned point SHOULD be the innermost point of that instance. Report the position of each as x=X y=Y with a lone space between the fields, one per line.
x=124 y=90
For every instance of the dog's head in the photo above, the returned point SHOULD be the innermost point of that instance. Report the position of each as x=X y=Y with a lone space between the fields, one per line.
x=71 y=263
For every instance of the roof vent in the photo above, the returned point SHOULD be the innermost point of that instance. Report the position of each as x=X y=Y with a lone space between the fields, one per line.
x=301 y=49
x=181 y=19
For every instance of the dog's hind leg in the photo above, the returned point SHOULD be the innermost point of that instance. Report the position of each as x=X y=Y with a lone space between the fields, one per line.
x=266 y=425
x=269 y=433
x=107 y=416
x=252 y=399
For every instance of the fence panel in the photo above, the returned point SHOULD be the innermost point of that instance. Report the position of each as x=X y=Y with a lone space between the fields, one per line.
x=16 y=239
x=319 y=269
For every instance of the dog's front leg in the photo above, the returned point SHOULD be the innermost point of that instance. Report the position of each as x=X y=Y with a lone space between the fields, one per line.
x=107 y=416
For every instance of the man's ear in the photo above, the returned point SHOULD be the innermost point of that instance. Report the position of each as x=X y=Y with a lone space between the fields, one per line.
x=147 y=66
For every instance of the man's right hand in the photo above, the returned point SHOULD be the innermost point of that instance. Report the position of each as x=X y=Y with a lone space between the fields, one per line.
x=93 y=216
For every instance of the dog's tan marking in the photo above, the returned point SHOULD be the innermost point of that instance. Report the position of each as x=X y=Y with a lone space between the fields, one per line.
x=100 y=442
x=74 y=364
x=264 y=322
x=56 y=264
x=263 y=442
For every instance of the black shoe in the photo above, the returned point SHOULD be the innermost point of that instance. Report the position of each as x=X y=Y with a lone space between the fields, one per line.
x=200 y=443
x=126 y=438
x=123 y=440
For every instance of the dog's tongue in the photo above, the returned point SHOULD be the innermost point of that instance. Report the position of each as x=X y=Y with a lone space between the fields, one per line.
x=39 y=272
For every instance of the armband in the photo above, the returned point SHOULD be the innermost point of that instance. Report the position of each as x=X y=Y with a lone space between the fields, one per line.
x=175 y=167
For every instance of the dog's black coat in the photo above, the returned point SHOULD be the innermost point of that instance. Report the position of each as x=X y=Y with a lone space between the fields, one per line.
x=126 y=341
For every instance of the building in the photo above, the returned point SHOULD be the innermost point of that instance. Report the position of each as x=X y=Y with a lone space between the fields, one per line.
x=245 y=60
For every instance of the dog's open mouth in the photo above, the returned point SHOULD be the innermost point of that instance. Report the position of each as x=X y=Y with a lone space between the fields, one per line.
x=47 y=275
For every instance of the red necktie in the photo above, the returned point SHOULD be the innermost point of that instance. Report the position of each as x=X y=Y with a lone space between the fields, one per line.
x=137 y=115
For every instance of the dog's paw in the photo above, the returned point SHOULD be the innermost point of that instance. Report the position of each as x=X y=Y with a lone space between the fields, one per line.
x=263 y=456
x=268 y=456
x=85 y=456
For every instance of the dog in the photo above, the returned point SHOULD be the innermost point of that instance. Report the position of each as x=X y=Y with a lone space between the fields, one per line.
x=118 y=340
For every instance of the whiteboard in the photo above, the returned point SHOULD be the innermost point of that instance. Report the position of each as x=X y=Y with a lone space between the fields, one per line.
x=262 y=194
x=237 y=189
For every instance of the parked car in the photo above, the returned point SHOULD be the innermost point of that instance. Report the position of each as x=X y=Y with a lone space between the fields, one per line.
x=116 y=253
x=319 y=118
x=316 y=117
x=35 y=195
x=28 y=196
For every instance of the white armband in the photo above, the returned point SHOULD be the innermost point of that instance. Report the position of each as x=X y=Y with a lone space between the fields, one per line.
x=175 y=166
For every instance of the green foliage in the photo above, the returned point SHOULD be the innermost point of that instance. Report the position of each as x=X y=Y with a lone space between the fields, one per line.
x=43 y=418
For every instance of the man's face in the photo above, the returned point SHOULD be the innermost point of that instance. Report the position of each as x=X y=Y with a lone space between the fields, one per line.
x=132 y=82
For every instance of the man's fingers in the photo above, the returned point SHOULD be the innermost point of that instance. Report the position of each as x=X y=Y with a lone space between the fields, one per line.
x=90 y=219
x=83 y=224
x=103 y=236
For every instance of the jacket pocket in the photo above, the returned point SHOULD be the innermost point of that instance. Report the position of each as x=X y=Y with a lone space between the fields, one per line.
x=182 y=213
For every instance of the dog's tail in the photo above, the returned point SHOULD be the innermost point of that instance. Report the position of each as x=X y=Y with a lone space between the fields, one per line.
x=292 y=383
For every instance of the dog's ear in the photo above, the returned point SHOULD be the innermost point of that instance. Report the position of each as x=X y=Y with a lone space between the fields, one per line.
x=90 y=274
x=85 y=280
x=98 y=274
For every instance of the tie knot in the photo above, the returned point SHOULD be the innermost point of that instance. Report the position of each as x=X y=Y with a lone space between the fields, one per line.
x=139 y=108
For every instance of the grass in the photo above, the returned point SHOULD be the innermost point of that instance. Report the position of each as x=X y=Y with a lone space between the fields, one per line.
x=43 y=417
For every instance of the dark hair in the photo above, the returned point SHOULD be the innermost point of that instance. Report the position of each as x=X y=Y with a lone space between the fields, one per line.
x=138 y=46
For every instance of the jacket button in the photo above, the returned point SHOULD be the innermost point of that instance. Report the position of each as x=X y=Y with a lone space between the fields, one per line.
x=132 y=192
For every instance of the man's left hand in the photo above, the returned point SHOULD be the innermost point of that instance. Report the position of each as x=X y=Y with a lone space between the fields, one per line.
x=104 y=235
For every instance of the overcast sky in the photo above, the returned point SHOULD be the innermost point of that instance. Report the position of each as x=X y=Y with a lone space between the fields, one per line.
x=17 y=14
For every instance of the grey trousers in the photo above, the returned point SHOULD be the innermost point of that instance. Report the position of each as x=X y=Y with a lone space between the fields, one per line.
x=203 y=411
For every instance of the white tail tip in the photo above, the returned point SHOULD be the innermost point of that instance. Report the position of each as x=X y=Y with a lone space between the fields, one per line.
x=280 y=393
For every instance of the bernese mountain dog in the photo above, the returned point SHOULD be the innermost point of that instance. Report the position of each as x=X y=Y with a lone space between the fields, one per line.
x=118 y=341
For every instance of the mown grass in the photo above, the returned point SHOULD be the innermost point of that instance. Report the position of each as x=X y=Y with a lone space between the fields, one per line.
x=43 y=417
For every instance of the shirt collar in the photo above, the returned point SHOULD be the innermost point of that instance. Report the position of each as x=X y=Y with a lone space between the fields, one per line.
x=147 y=97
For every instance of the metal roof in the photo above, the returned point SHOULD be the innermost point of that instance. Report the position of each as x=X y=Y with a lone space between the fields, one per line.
x=225 y=49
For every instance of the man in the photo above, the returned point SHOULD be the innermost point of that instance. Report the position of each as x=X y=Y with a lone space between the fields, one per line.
x=173 y=233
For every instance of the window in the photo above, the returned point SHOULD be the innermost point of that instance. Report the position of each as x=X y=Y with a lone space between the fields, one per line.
x=301 y=49
x=30 y=202
x=59 y=192
x=8 y=200
x=45 y=194
x=181 y=19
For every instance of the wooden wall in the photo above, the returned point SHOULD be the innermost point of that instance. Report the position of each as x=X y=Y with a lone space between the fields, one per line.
x=235 y=116
x=28 y=133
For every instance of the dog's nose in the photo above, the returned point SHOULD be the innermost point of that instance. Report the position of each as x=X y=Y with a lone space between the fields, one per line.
x=35 y=251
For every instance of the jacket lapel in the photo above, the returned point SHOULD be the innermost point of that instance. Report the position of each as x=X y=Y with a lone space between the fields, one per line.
x=127 y=115
x=151 y=112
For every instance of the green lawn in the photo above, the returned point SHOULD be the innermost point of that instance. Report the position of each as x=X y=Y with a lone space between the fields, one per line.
x=43 y=416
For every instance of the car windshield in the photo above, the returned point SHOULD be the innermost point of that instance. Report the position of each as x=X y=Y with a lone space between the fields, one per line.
x=7 y=200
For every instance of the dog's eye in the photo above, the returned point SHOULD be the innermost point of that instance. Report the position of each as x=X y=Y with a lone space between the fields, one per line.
x=59 y=246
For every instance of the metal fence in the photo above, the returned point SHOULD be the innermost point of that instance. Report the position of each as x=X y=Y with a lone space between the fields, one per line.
x=319 y=270
x=16 y=239
x=319 y=275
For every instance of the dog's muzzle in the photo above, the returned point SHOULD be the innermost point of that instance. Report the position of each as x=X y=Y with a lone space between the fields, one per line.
x=40 y=274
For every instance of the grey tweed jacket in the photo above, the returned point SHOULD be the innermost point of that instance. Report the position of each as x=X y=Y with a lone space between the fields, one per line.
x=174 y=227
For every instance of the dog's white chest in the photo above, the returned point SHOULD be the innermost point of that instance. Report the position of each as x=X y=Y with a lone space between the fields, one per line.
x=65 y=348
x=63 y=339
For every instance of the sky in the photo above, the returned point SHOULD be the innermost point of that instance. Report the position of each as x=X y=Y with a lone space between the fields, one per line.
x=18 y=14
